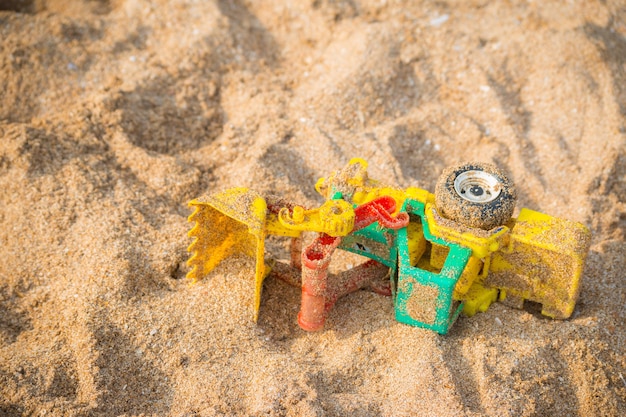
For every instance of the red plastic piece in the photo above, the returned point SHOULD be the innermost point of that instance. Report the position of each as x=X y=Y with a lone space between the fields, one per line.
x=380 y=210
x=319 y=293
x=315 y=260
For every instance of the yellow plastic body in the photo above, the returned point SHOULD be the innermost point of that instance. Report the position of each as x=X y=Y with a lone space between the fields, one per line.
x=355 y=186
x=482 y=243
x=416 y=242
x=334 y=217
x=346 y=180
x=470 y=278
x=542 y=262
x=478 y=299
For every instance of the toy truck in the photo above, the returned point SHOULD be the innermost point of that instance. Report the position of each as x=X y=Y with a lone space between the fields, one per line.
x=437 y=255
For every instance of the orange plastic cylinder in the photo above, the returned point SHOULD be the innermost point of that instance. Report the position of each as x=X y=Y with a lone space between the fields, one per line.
x=312 y=315
x=315 y=260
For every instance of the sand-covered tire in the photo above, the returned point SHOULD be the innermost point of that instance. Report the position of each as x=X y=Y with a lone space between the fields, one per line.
x=475 y=194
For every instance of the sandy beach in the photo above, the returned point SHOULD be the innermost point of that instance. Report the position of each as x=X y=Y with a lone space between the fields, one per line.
x=114 y=114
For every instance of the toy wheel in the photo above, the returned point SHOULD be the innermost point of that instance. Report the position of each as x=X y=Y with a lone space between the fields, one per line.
x=475 y=194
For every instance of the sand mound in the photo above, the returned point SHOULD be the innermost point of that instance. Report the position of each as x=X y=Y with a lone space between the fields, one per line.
x=115 y=113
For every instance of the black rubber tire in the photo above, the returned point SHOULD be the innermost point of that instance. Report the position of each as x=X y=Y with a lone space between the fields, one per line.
x=481 y=215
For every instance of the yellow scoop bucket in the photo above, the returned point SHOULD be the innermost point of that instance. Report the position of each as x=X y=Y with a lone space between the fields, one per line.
x=228 y=223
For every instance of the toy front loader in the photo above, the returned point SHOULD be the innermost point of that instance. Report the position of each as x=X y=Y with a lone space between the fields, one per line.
x=458 y=250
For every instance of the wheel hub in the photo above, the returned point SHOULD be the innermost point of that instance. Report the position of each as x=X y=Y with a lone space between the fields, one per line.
x=477 y=186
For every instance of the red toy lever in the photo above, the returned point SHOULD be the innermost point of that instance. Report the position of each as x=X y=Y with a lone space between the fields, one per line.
x=380 y=210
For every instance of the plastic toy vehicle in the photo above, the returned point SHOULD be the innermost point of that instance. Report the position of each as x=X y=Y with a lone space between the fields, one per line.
x=437 y=255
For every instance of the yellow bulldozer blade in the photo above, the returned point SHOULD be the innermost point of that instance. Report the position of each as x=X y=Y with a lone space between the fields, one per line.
x=228 y=223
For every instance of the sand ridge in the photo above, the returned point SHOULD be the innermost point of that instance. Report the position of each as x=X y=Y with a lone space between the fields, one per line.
x=115 y=113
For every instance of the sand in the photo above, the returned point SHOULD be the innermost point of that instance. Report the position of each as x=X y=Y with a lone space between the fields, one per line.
x=115 y=113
